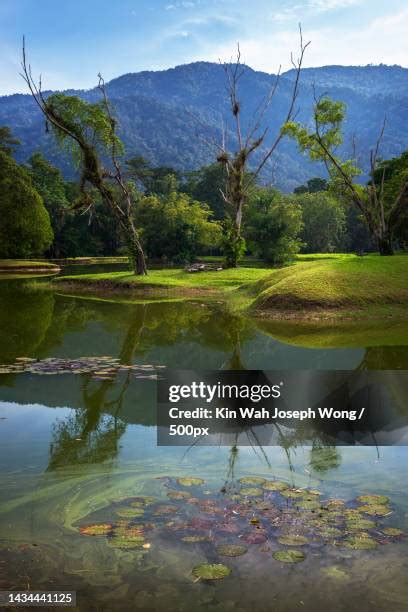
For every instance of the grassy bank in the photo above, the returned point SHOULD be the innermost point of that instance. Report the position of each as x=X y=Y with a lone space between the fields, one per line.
x=315 y=286
x=25 y=266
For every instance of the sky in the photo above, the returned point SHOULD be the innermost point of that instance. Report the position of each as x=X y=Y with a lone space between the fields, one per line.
x=69 y=42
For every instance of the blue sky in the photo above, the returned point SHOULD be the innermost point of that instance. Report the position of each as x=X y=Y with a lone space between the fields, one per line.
x=69 y=42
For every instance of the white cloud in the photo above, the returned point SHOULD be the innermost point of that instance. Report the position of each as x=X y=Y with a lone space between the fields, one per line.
x=383 y=40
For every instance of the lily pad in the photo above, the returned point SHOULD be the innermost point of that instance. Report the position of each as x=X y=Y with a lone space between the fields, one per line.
x=129 y=512
x=231 y=550
x=211 y=571
x=375 y=509
x=373 y=499
x=359 y=524
x=178 y=494
x=292 y=493
x=96 y=529
x=293 y=540
x=165 y=509
x=251 y=491
x=289 y=556
x=329 y=533
x=306 y=504
x=127 y=542
x=393 y=531
x=274 y=485
x=252 y=480
x=360 y=541
x=190 y=482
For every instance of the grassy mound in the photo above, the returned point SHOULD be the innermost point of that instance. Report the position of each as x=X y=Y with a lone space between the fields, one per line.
x=334 y=282
x=25 y=266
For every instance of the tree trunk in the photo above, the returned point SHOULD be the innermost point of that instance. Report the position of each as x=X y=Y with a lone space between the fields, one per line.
x=136 y=255
x=385 y=245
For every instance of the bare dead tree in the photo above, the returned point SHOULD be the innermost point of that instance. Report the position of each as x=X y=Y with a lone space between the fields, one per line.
x=69 y=125
x=236 y=161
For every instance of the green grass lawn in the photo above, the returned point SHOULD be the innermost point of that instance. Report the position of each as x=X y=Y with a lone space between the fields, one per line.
x=314 y=283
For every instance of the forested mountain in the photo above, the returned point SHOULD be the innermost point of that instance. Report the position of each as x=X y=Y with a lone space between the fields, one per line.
x=171 y=116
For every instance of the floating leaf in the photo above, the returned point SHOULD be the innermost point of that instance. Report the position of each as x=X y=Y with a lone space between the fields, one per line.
x=211 y=571
x=306 y=504
x=293 y=540
x=393 y=531
x=96 y=529
x=361 y=541
x=251 y=492
x=373 y=499
x=275 y=485
x=289 y=556
x=330 y=533
x=126 y=542
x=190 y=482
x=292 y=493
x=375 y=509
x=178 y=494
x=359 y=524
x=129 y=512
x=252 y=480
x=231 y=550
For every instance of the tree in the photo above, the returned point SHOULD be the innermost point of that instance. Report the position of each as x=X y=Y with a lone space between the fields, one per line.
x=324 y=222
x=88 y=130
x=313 y=185
x=206 y=185
x=7 y=140
x=25 y=228
x=160 y=180
x=273 y=225
x=49 y=183
x=382 y=210
x=175 y=227
x=236 y=161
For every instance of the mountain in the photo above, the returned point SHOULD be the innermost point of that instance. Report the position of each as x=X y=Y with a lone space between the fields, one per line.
x=171 y=117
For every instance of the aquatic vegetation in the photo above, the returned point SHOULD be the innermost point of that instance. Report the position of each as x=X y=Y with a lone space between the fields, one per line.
x=393 y=531
x=251 y=492
x=289 y=556
x=101 y=368
x=293 y=540
x=231 y=550
x=190 y=482
x=193 y=539
x=253 y=519
x=251 y=480
x=373 y=499
x=275 y=485
x=211 y=571
x=361 y=541
x=375 y=509
x=129 y=512
x=96 y=529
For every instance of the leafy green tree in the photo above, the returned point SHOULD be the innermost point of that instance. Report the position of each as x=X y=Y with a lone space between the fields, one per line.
x=176 y=227
x=7 y=140
x=273 y=225
x=207 y=185
x=324 y=222
x=89 y=132
x=313 y=185
x=25 y=228
x=151 y=180
x=382 y=209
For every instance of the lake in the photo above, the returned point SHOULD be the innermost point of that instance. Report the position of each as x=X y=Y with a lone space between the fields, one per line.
x=78 y=449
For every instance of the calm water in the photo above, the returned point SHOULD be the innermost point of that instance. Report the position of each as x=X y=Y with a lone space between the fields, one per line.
x=71 y=444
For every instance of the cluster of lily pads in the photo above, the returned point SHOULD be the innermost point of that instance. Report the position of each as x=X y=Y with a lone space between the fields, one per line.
x=101 y=368
x=266 y=516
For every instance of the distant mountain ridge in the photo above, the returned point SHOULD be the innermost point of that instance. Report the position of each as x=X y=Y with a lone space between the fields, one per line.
x=170 y=116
